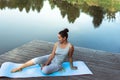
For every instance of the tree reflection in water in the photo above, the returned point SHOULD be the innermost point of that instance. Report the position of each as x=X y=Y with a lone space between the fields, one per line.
x=98 y=15
x=21 y=4
x=70 y=8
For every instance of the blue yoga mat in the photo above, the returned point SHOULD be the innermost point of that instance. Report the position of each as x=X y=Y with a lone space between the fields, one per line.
x=34 y=71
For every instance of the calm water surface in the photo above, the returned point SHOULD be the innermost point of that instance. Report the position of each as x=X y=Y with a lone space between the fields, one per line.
x=87 y=29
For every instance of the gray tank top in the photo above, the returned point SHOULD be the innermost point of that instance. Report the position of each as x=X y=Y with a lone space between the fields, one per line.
x=60 y=54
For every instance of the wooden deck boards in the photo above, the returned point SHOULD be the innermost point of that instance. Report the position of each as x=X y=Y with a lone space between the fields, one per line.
x=104 y=65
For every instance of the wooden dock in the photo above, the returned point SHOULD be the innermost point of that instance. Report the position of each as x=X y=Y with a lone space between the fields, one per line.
x=104 y=65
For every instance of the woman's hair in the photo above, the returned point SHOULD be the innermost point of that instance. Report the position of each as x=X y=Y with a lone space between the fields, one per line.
x=64 y=33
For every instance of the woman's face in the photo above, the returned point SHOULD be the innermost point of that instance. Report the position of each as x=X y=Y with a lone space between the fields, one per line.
x=61 y=39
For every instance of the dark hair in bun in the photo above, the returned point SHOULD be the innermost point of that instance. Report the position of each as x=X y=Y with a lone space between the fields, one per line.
x=66 y=30
x=64 y=33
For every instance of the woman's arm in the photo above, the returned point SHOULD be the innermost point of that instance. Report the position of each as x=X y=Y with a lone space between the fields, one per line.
x=51 y=56
x=70 y=54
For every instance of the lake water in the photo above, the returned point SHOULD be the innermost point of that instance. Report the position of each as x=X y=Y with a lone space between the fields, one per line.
x=90 y=28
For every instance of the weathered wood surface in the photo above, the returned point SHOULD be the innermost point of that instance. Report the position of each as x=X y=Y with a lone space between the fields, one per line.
x=104 y=65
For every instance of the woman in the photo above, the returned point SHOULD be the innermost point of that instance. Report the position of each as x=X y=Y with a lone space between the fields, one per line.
x=51 y=63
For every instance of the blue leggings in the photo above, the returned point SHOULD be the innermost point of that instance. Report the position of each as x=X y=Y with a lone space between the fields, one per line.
x=52 y=67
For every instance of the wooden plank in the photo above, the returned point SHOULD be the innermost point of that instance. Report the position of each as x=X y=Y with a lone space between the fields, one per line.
x=104 y=65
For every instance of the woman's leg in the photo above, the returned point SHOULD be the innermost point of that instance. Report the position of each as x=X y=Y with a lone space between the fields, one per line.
x=51 y=68
x=41 y=60
x=28 y=63
x=37 y=60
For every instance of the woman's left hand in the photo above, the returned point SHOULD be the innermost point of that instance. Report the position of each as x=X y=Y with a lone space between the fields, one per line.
x=74 y=68
x=42 y=66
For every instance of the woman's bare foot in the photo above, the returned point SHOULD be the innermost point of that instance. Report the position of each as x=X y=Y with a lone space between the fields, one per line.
x=16 y=70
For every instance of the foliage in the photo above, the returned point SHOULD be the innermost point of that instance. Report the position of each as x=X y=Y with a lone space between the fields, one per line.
x=98 y=9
